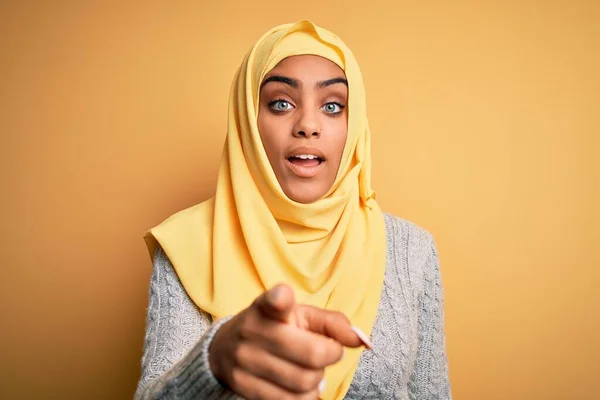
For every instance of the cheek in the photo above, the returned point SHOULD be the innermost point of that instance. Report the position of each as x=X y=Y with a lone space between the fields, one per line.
x=267 y=133
x=341 y=135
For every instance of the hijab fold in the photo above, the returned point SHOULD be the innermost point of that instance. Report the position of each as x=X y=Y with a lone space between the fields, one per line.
x=251 y=236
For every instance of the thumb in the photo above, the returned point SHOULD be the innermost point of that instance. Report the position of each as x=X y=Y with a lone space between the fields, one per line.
x=277 y=303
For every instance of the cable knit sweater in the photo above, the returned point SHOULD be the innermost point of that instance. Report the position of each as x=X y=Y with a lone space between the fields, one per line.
x=408 y=360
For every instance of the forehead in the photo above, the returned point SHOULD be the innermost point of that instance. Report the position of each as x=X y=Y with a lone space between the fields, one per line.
x=307 y=68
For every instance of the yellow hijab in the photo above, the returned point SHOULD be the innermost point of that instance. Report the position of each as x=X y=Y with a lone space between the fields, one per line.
x=251 y=236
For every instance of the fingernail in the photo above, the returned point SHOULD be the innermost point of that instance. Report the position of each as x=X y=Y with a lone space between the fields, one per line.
x=274 y=294
x=343 y=353
x=322 y=385
x=361 y=335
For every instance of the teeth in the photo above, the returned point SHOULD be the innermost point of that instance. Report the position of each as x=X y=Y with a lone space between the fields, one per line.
x=306 y=156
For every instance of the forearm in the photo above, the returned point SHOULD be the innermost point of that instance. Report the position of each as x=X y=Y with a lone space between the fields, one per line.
x=191 y=377
x=177 y=342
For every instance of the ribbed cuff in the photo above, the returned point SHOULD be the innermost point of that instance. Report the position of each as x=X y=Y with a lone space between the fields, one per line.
x=192 y=377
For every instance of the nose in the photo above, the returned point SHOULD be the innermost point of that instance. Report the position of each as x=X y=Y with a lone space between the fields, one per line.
x=307 y=125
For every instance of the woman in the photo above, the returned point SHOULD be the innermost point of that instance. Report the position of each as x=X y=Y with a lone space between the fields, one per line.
x=275 y=288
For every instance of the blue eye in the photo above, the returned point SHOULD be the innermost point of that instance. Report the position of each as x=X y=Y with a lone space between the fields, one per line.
x=280 y=105
x=333 y=108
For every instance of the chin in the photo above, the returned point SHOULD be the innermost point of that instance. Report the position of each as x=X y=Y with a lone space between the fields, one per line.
x=303 y=195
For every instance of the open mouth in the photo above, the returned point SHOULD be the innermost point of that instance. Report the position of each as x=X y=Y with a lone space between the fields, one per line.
x=306 y=160
x=305 y=165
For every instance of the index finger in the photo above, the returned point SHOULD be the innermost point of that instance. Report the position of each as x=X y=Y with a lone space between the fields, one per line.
x=332 y=324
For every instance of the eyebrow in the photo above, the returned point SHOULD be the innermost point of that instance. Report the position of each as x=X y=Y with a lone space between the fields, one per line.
x=329 y=82
x=295 y=84
x=283 y=79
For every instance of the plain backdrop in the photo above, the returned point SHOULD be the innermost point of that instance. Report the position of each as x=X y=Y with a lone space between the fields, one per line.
x=486 y=124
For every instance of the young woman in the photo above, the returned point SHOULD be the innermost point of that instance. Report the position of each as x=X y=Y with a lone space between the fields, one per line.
x=291 y=283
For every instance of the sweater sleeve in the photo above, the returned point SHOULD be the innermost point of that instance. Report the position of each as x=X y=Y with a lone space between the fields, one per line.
x=430 y=378
x=178 y=335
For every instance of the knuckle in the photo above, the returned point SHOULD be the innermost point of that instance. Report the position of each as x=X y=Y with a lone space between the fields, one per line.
x=337 y=350
x=257 y=302
x=304 y=383
x=309 y=380
x=309 y=396
x=245 y=332
x=239 y=354
x=241 y=385
x=263 y=393
x=316 y=354
x=318 y=376
x=236 y=380
x=336 y=317
x=342 y=317
x=246 y=329
x=275 y=371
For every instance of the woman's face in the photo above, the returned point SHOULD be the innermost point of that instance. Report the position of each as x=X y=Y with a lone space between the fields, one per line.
x=302 y=120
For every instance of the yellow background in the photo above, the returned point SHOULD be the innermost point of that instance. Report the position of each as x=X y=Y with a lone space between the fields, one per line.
x=485 y=117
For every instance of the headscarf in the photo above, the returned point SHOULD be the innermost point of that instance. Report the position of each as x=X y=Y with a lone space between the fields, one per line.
x=250 y=236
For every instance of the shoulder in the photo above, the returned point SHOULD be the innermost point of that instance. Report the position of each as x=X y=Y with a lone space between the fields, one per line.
x=411 y=250
x=160 y=258
x=163 y=273
x=402 y=232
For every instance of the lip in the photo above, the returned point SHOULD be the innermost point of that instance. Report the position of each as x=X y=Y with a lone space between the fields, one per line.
x=305 y=172
x=306 y=150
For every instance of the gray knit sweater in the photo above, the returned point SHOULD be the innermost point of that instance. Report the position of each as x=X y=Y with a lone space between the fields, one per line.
x=408 y=360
